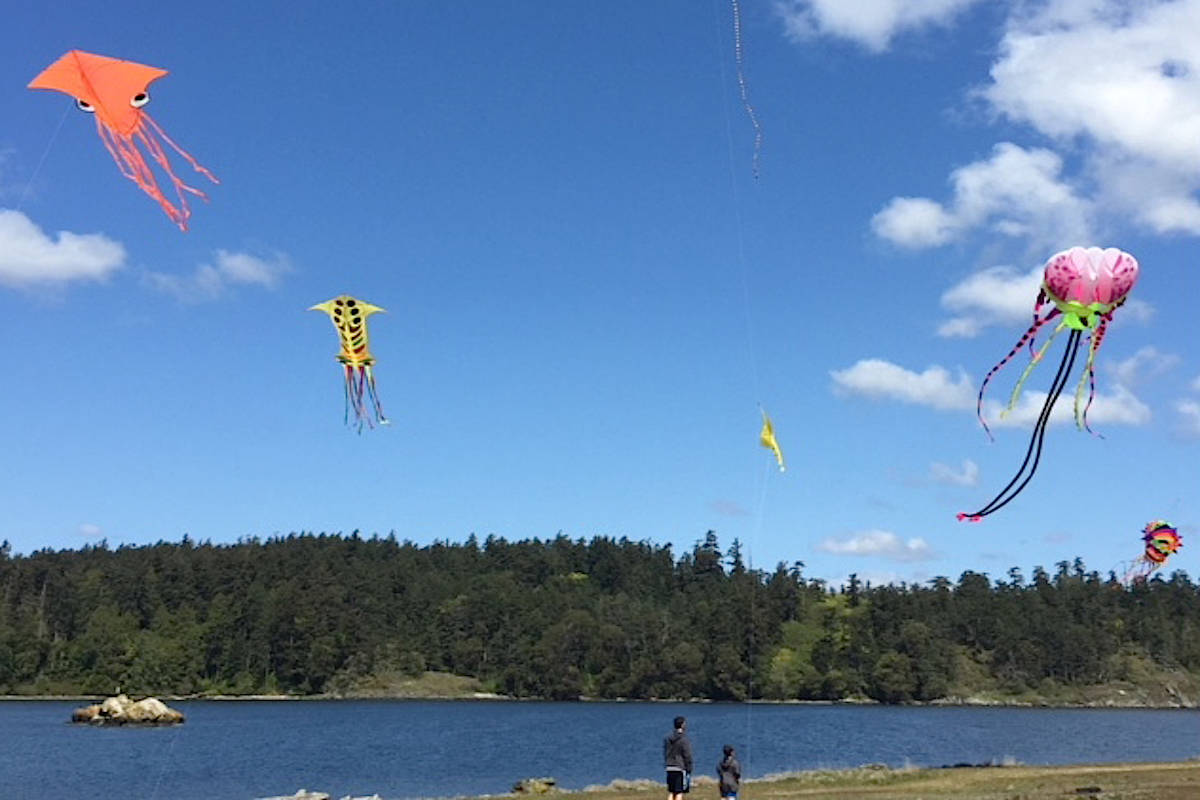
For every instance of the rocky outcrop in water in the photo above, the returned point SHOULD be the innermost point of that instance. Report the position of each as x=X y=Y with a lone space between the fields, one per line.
x=120 y=710
x=305 y=794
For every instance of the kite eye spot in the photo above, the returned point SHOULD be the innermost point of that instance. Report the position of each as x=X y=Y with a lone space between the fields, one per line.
x=140 y=99
x=84 y=105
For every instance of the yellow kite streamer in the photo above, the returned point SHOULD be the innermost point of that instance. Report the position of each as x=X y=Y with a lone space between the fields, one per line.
x=350 y=319
x=767 y=439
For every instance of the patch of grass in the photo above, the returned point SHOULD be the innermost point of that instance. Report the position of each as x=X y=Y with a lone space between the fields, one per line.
x=1167 y=781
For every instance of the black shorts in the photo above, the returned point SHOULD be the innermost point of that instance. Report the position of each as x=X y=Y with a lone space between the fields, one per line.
x=674 y=781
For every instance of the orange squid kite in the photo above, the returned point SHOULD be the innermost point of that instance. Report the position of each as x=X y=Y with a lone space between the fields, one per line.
x=116 y=92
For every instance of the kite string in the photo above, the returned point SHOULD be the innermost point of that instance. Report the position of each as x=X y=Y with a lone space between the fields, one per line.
x=739 y=227
x=45 y=153
x=739 y=61
x=743 y=269
x=166 y=761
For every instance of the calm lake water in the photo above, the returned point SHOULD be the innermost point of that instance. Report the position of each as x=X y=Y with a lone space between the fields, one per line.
x=405 y=749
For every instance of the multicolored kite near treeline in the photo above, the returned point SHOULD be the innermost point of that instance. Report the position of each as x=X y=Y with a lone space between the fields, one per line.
x=116 y=92
x=1162 y=541
x=767 y=439
x=1085 y=286
x=350 y=319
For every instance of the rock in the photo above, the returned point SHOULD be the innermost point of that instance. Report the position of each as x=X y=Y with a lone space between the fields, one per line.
x=153 y=711
x=120 y=710
x=85 y=714
x=535 y=786
x=305 y=794
x=114 y=706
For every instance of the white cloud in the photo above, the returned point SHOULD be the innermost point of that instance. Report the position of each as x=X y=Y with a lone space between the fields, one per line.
x=1189 y=417
x=1124 y=80
x=882 y=544
x=915 y=222
x=1005 y=296
x=729 y=508
x=89 y=530
x=968 y=475
x=994 y=295
x=1119 y=407
x=210 y=281
x=1136 y=311
x=1145 y=364
x=934 y=387
x=28 y=256
x=1057 y=537
x=871 y=23
x=1196 y=384
x=1016 y=192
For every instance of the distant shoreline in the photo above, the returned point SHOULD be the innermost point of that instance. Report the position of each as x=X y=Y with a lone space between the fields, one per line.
x=488 y=697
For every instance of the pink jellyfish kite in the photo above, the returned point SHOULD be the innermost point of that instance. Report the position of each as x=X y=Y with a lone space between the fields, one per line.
x=1081 y=288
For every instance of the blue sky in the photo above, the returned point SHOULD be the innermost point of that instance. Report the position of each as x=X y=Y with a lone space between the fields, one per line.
x=588 y=292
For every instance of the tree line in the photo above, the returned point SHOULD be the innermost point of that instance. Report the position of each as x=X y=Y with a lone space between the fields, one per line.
x=562 y=618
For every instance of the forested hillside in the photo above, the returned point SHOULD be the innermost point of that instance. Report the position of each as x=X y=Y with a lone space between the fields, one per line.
x=562 y=618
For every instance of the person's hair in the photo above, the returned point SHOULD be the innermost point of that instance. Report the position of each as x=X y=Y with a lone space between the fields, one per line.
x=679 y=721
x=728 y=749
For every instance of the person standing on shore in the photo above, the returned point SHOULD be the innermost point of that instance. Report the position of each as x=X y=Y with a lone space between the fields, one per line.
x=677 y=757
x=729 y=775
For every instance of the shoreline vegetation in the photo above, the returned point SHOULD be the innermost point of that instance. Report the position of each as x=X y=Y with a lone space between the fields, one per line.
x=445 y=686
x=328 y=616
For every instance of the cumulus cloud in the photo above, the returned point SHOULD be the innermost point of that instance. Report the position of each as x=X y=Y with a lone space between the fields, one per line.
x=1189 y=418
x=1057 y=537
x=881 y=544
x=915 y=222
x=1017 y=192
x=729 y=508
x=994 y=295
x=871 y=23
x=1118 y=407
x=1121 y=78
x=934 y=387
x=29 y=256
x=1004 y=296
x=211 y=281
x=1144 y=365
x=967 y=475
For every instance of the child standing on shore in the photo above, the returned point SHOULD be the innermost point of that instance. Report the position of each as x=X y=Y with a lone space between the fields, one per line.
x=729 y=774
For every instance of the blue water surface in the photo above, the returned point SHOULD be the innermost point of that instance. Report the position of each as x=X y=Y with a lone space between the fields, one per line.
x=406 y=749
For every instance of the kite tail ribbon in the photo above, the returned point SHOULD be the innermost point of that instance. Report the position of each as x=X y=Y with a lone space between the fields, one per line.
x=1089 y=375
x=1034 y=452
x=1037 y=359
x=1027 y=338
x=133 y=166
x=379 y=417
x=360 y=384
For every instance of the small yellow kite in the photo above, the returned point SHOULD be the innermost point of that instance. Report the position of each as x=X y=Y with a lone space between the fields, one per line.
x=350 y=319
x=767 y=439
